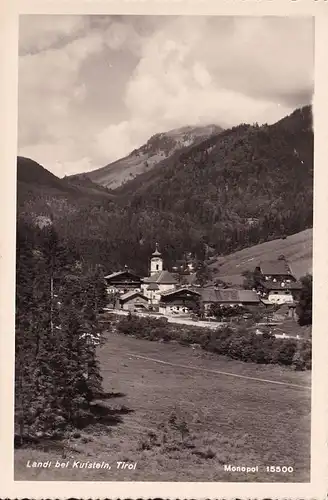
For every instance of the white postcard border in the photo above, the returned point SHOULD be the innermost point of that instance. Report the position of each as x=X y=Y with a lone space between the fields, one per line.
x=8 y=151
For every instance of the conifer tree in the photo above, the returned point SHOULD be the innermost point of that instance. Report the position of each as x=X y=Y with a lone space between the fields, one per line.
x=57 y=372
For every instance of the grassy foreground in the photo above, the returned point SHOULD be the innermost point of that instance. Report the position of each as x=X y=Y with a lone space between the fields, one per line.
x=183 y=421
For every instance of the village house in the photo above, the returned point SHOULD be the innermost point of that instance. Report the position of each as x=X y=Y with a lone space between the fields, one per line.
x=133 y=301
x=180 y=301
x=161 y=291
x=277 y=284
x=229 y=297
x=122 y=282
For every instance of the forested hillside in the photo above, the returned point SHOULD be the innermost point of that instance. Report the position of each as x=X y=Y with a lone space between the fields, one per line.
x=35 y=182
x=244 y=186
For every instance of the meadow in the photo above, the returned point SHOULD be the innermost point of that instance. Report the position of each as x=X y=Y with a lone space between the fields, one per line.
x=182 y=414
x=297 y=249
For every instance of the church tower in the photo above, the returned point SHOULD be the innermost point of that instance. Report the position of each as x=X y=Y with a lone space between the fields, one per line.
x=156 y=262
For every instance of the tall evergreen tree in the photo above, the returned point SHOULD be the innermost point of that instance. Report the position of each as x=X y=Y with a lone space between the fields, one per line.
x=57 y=373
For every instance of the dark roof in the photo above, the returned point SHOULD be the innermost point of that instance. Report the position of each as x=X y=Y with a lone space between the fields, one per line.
x=156 y=253
x=129 y=295
x=153 y=286
x=162 y=277
x=122 y=273
x=271 y=285
x=275 y=268
x=187 y=291
x=229 y=295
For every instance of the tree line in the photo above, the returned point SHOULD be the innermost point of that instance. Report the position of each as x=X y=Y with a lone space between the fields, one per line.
x=56 y=369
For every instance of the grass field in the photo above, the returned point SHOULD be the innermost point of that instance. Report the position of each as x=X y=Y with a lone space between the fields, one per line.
x=228 y=419
x=296 y=248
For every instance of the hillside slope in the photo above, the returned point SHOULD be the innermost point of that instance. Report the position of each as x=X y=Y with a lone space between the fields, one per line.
x=32 y=173
x=33 y=178
x=297 y=249
x=143 y=159
x=244 y=186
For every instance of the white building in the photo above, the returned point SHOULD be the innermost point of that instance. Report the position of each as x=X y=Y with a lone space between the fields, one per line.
x=158 y=281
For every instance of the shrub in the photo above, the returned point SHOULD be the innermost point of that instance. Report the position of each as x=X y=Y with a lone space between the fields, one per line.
x=242 y=344
x=285 y=352
x=306 y=353
x=298 y=362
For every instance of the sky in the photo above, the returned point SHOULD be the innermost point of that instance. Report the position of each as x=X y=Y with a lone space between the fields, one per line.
x=93 y=88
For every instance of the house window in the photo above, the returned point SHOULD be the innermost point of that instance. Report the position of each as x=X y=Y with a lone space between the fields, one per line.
x=156 y=267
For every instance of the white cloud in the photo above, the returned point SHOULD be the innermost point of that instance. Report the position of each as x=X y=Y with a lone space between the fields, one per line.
x=39 y=32
x=186 y=71
x=48 y=83
x=191 y=74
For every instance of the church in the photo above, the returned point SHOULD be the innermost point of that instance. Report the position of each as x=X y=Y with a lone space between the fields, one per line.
x=158 y=281
x=139 y=293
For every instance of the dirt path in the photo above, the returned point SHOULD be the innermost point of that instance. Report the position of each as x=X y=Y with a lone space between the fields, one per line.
x=217 y=372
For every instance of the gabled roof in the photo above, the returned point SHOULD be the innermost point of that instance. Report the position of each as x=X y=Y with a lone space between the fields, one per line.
x=179 y=290
x=275 y=268
x=153 y=286
x=162 y=277
x=229 y=295
x=129 y=295
x=122 y=273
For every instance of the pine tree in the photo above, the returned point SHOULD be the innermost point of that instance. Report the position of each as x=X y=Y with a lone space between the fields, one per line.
x=57 y=372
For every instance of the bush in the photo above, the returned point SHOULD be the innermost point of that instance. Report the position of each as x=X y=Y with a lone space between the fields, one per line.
x=306 y=353
x=298 y=361
x=284 y=355
x=242 y=344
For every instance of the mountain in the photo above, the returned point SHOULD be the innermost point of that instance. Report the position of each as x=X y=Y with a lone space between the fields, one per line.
x=32 y=173
x=296 y=248
x=33 y=177
x=159 y=147
x=241 y=187
x=246 y=185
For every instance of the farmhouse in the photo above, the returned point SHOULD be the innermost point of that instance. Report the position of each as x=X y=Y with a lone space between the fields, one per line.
x=133 y=301
x=277 y=283
x=181 y=301
x=276 y=270
x=123 y=281
x=229 y=297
